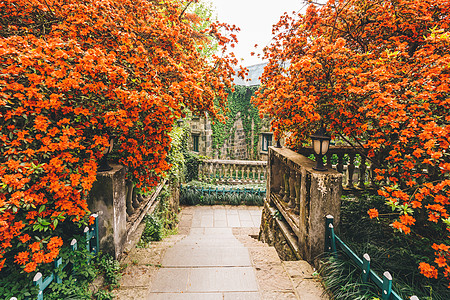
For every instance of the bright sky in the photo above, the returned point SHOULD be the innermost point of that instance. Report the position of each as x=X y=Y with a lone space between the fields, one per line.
x=255 y=19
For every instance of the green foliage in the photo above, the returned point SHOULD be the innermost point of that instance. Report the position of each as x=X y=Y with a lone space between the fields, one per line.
x=192 y=162
x=153 y=230
x=198 y=193
x=77 y=272
x=177 y=154
x=204 y=9
x=395 y=252
x=110 y=268
x=239 y=102
x=161 y=223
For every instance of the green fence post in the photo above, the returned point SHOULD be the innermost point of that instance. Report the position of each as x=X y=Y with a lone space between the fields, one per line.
x=95 y=243
x=366 y=268
x=87 y=234
x=58 y=262
x=329 y=219
x=37 y=280
x=387 y=286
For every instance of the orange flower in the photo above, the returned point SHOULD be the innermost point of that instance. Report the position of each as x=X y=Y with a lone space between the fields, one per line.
x=407 y=219
x=373 y=213
x=30 y=267
x=427 y=270
x=24 y=238
x=21 y=258
x=36 y=246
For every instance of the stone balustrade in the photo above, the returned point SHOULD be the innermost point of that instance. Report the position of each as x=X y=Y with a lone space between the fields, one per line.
x=233 y=171
x=351 y=162
x=297 y=201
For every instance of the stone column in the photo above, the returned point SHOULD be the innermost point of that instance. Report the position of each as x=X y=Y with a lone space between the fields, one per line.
x=107 y=198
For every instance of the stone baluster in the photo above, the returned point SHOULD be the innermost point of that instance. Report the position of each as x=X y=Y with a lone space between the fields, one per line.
x=263 y=171
x=286 y=184
x=259 y=174
x=329 y=155
x=220 y=167
x=248 y=174
x=239 y=173
x=134 y=199
x=226 y=174
x=200 y=170
x=351 y=170
x=372 y=175
x=129 y=198
x=253 y=174
x=298 y=178
x=362 y=172
x=292 y=175
x=282 y=171
x=340 y=165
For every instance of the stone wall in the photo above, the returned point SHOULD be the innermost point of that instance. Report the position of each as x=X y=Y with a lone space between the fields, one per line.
x=300 y=198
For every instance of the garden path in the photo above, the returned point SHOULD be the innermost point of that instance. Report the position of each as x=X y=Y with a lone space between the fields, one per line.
x=216 y=255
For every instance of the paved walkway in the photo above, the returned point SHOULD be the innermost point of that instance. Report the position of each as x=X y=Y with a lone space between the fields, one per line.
x=215 y=255
x=210 y=263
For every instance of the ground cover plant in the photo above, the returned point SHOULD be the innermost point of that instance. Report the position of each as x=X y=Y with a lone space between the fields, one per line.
x=389 y=251
x=376 y=75
x=201 y=193
x=75 y=73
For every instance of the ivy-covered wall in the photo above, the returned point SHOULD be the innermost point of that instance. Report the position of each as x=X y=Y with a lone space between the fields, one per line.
x=224 y=135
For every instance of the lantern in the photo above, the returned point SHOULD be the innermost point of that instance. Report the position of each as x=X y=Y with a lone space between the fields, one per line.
x=320 y=145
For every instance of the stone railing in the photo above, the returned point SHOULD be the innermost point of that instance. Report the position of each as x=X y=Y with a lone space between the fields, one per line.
x=303 y=197
x=233 y=171
x=120 y=209
x=351 y=162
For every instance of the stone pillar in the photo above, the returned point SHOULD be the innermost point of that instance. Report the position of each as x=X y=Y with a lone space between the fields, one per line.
x=108 y=199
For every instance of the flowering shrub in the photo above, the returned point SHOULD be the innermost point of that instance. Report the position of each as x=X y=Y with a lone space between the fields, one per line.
x=73 y=73
x=376 y=73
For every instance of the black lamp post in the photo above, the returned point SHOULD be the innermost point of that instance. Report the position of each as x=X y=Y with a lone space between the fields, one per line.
x=104 y=166
x=320 y=144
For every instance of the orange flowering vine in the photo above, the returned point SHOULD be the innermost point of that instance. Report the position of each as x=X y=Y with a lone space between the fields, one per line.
x=73 y=73
x=376 y=75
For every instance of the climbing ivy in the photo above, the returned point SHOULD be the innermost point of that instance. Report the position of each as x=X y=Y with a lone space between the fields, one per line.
x=238 y=102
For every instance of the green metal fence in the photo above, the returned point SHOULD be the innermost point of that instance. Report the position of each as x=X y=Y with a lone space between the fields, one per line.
x=92 y=245
x=333 y=243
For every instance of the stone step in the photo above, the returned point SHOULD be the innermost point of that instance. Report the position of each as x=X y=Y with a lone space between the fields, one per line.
x=205 y=256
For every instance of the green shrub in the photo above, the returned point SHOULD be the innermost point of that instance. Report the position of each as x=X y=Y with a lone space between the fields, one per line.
x=153 y=230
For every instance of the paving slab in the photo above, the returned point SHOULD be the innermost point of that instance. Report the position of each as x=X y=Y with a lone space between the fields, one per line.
x=206 y=256
x=231 y=279
x=185 y=296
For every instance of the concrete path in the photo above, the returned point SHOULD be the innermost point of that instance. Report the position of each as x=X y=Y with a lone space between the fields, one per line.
x=209 y=263
x=215 y=255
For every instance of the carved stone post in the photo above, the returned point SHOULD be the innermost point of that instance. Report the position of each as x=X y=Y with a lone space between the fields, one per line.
x=286 y=183
x=340 y=165
x=291 y=179
x=129 y=199
x=351 y=170
x=282 y=171
x=362 y=172
x=107 y=198
x=298 y=178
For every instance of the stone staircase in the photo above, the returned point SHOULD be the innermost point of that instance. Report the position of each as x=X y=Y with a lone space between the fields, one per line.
x=279 y=279
x=275 y=279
